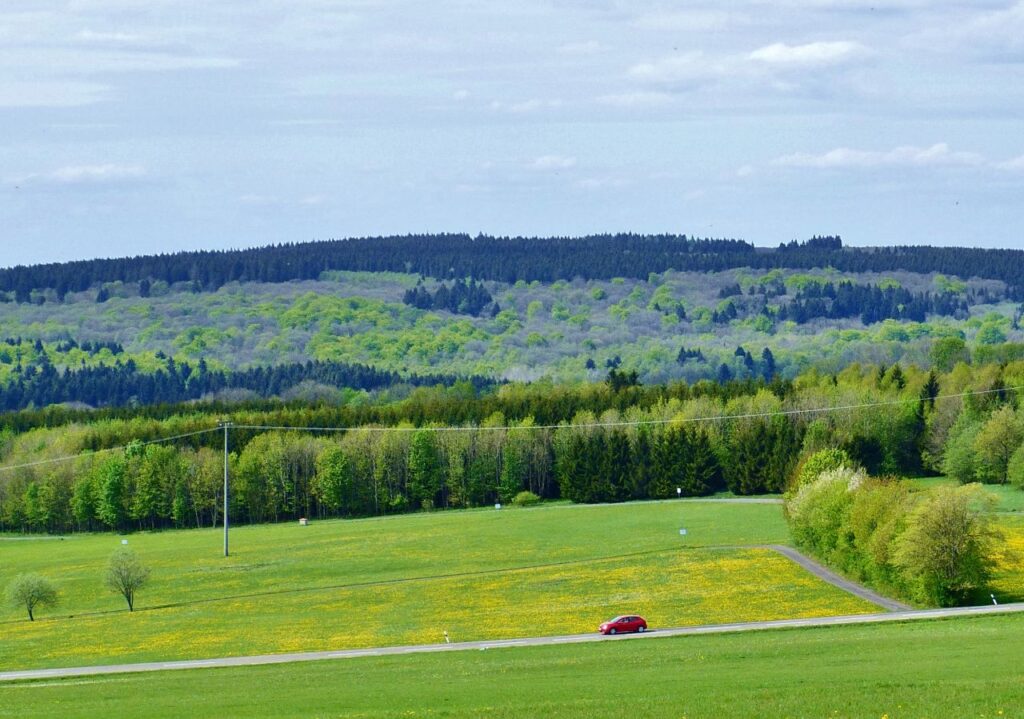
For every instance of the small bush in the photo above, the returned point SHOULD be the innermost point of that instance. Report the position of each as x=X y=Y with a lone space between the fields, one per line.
x=525 y=499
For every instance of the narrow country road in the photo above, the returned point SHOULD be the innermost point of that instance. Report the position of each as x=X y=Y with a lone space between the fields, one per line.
x=843 y=583
x=499 y=644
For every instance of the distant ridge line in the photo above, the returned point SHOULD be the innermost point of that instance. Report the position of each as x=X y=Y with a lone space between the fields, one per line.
x=504 y=259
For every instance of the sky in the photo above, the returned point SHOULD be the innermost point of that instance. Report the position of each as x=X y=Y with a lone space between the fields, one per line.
x=134 y=127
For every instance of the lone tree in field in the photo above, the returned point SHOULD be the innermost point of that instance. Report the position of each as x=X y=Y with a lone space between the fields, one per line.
x=126 y=575
x=31 y=591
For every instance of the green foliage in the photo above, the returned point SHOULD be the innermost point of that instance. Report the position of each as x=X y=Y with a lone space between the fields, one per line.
x=895 y=421
x=946 y=352
x=813 y=465
x=424 y=470
x=934 y=546
x=126 y=575
x=945 y=284
x=332 y=483
x=526 y=498
x=990 y=333
x=946 y=552
x=112 y=480
x=1015 y=468
x=995 y=444
x=800 y=282
x=819 y=512
x=31 y=591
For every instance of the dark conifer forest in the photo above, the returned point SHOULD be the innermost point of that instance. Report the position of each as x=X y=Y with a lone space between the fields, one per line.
x=506 y=259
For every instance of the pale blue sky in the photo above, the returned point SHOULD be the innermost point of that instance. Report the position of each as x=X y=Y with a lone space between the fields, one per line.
x=141 y=126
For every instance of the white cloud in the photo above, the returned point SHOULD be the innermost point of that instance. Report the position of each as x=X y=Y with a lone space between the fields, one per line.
x=123 y=39
x=997 y=34
x=603 y=183
x=778 y=66
x=811 y=55
x=687 y=69
x=745 y=171
x=1016 y=164
x=94 y=174
x=51 y=93
x=639 y=98
x=553 y=162
x=525 y=106
x=937 y=155
x=89 y=61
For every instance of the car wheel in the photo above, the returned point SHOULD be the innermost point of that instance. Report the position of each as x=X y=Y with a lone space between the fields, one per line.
x=641 y=628
x=612 y=631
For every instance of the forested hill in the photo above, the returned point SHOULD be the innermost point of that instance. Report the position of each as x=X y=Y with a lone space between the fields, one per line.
x=501 y=259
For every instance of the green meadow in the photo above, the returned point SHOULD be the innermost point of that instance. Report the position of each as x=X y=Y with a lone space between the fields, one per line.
x=968 y=667
x=481 y=574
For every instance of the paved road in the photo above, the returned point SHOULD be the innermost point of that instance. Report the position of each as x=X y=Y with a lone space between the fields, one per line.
x=499 y=644
x=842 y=582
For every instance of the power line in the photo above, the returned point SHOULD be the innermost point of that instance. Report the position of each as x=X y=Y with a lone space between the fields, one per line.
x=514 y=428
x=629 y=423
x=54 y=460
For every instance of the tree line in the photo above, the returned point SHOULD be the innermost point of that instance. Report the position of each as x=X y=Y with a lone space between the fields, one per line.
x=505 y=259
x=459 y=402
x=124 y=384
x=438 y=450
x=279 y=475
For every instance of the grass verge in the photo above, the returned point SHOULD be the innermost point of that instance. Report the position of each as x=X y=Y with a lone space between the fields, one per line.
x=960 y=667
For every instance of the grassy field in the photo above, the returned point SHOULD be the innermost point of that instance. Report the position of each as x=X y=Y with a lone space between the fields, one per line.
x=965 y=667
x=477 y=575
x=1008 y=581
x=1009 y=499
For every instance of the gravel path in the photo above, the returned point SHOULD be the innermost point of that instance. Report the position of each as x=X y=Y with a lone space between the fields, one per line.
x=843 y=583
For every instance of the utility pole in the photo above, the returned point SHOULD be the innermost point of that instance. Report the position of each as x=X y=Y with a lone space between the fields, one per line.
x=226 y=425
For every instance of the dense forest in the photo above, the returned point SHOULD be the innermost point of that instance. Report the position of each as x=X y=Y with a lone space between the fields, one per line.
x=649 y=442
x=124 y=384
x=505 y=259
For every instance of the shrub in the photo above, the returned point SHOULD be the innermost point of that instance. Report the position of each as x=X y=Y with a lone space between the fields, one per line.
x=877 y=516
x=819 y=512
x=824 y=460
x=933 y=546
x=946 y=551
x=525 y=499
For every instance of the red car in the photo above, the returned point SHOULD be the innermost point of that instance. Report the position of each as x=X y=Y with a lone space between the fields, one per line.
x=625 y=623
